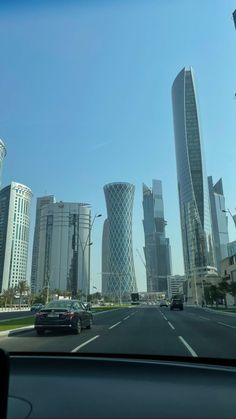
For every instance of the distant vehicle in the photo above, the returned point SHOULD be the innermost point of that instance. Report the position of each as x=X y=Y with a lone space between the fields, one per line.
x=176 y=303
x=135 y=298
x=163 y=303
x=36 y=307
x=63 y=314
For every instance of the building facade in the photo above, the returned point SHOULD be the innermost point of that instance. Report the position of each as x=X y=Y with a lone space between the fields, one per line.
x=3 y=152
x=120 y=279
x=219 y=221
x=15 y=203
x=41 y=202
x=196 y=227
x=64 y=248
x=157 y=247
x=231 y=248
x=175 y=285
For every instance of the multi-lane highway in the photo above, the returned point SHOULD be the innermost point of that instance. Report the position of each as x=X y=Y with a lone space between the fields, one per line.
x=141 y=330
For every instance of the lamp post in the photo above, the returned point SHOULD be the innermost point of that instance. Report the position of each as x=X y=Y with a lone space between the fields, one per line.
x=84 y=245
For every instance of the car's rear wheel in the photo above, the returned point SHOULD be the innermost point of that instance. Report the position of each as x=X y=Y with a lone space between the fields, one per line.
x=90 y=324
x=77 y=329
x=40 y=332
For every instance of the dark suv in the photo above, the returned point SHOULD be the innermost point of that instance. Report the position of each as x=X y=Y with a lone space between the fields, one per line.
x=176 y=303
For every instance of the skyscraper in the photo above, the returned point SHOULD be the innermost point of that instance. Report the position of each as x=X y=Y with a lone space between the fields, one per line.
x=64 y=247
x=193 y=191
x=234 y=17
x=120 y=280
x=15 y=202
x=157 y=246
x=3 y=153
x=41 y=202
x=219 y=220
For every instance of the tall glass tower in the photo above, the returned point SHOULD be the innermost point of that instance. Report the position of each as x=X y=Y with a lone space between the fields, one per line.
x=3 y=152
x=199 y=259
x=41 y=202
x=120 y=280
x=157 y=246
x=63 y=258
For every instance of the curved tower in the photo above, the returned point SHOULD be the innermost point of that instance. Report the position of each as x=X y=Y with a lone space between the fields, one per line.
x=120 y=280
x=193 y=191
x=3 y=152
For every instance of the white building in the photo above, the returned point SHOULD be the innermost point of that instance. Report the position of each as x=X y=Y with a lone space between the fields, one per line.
x=15 y=202
x=64 y=247
x=175 y=285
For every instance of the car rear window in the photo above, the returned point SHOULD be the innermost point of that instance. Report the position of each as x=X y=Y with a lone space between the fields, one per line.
x=58 y=304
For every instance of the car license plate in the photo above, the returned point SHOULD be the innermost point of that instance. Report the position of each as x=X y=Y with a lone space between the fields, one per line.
x=53 y=315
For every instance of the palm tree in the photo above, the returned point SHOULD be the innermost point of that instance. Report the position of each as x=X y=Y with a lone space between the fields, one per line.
x=11 y=294
x=5 y=296
x=22 y=288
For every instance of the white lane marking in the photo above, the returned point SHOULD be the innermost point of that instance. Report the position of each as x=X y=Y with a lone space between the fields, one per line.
x=225 y=324
x=162 y=315
x=204 y=318
x=171 y=325
x=85 y=343
x=192 y=352
x=114 y=325
x=125 y=318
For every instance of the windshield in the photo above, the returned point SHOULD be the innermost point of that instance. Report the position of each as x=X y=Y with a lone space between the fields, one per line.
x=117 y=173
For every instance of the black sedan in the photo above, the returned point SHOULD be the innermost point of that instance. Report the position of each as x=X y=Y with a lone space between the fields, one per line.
x=63 y=314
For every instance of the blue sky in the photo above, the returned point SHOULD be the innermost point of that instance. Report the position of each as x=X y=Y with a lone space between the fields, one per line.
x=86 y=100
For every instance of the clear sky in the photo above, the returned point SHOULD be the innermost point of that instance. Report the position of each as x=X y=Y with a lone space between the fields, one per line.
x=86 y=100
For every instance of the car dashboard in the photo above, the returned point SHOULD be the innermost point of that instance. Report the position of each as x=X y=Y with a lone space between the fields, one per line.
x=104 y=386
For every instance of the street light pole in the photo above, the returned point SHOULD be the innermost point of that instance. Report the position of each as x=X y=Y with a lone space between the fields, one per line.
x=83 y=248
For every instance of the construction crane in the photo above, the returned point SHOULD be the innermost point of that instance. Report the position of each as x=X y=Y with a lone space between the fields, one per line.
x=143 y=262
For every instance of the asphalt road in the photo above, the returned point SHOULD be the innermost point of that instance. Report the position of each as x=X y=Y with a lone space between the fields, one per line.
x=141 y=330
x=7 y=315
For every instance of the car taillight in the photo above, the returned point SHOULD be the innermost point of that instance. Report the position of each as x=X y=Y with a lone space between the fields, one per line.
x=69 y=314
